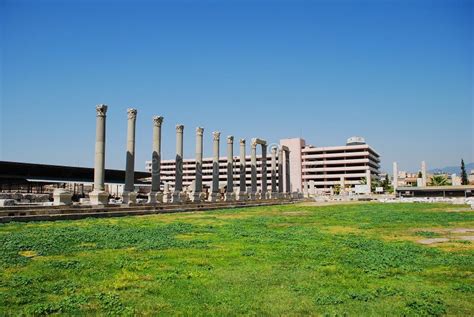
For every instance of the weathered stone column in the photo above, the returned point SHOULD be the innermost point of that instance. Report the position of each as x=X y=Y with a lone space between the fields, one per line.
x=253 y=166
x=155 y=194
x=312 y=189
x=214 y=195
x=342 y=191
x=129 y=195
x=423 y=173
x=99 y=196
x=280 y=173
x=264 y=172
x=178 y=183
x=368 y=177
x=197 y=190
x=243 y=179
x=229 y=195
x=274 y=193
x=395 y=178
x=287 y=172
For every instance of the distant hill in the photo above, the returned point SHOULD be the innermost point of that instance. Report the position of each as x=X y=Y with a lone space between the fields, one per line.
x=453 y=169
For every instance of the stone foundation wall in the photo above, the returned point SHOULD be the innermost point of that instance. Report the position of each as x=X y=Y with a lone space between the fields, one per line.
x=26 y=198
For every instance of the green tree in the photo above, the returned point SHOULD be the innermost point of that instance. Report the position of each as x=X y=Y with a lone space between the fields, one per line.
x=464 y=180
x=439 y=180
x=420 y=175
x=373 y=184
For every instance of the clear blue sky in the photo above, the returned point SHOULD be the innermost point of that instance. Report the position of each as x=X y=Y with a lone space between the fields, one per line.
x=399 y=73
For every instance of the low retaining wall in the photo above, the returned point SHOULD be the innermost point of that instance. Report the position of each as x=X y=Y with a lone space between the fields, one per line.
x=26 y=198
x=52 y=213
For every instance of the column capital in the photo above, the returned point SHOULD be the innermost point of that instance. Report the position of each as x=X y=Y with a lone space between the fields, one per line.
x=199 y=131
x=216 y=135
x=179 y=128
x=230 y=139
x=157 y=121
x=132 y=113
x=254 y=143
x=274 y=149
x=242 y=141
x=101 y=110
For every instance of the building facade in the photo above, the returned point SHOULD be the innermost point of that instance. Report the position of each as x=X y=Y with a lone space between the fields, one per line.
x=168 y=168
x=324 y=167
x=327 y=167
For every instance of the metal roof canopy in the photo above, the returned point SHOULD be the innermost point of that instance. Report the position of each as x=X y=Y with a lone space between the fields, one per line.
x=42 y=172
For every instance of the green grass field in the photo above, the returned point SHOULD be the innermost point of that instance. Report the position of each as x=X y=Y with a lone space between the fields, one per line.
x=358 y=259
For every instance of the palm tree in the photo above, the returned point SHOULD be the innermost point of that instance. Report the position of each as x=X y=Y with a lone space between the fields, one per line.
x=439 y=180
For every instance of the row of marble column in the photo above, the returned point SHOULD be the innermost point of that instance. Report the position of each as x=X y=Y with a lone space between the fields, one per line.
x=230 y=194
x=100 y=196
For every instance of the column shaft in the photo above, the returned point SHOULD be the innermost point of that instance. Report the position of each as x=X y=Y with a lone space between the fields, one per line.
x=215 y=162
x=264 y=171
x=423 y=173
x=198 y=179
x=274 y=171
x=243 y=185
x=99 y=165
x=280 y=171
x=130 y=158
x=178 y=186
x=156 y=154
x=253 y=165
x=395 y=177
x=369 y=180
x=230 y=164
x=287 y=172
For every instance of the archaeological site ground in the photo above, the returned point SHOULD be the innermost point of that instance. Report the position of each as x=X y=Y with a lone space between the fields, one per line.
x=365 y=259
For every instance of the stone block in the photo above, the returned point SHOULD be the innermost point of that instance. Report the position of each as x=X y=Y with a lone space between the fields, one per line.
x=62 y=197
x=7 y=202
x=99 y=198
x=129 y=197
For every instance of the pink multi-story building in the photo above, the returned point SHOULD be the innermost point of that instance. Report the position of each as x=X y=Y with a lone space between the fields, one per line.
x=326 y=167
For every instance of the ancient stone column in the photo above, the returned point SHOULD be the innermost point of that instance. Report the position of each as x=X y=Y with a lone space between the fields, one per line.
x=229 y=195
x=242 y=180
x=280 y=173
x=423 y=173
x=178 y=184
x=368 y=177
x=129 y=195
x=99 y=196
x=155 y=194
x=214 y=195
x=343 y=186
x=264 y=172
x=395 y=177
x=312 y=188
x=274 y=193
x=287 y=172
x=253 y=166
x=197 y=190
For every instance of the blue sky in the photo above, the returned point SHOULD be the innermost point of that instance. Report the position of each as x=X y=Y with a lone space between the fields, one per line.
x=399 y=73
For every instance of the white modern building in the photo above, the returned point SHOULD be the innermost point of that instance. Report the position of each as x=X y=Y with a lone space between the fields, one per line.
x=322 y=167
